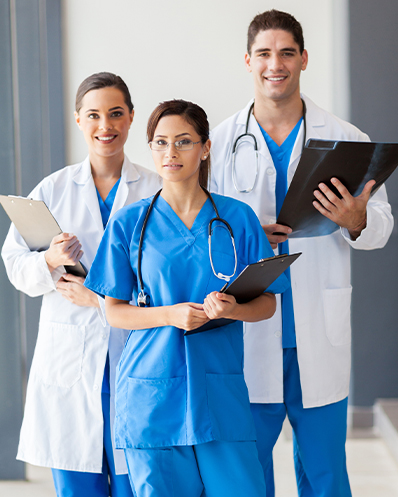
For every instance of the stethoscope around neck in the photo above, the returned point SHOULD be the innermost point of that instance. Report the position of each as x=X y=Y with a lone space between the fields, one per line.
x=255 y=145
x=143 y=299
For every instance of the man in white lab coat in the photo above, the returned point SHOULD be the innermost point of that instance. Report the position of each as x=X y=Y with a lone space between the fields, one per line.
x=297 y=363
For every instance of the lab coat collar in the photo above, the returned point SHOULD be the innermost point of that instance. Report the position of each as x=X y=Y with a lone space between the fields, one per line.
x=129 y=174
x=83 y=174
x=84 y=177
x=314 y=118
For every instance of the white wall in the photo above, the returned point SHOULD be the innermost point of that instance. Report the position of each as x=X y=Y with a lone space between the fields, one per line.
x=190 y=50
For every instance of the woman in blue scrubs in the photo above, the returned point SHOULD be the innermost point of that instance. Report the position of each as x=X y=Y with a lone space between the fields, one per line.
x=182 y=407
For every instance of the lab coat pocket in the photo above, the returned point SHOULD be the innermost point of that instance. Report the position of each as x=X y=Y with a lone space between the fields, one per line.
x=59 y=354
x=337 y=305
x=156 y=412
x=229 y=407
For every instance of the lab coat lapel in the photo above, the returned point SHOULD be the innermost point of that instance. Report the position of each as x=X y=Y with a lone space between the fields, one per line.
x=314 y=121
x=129 y=174
x=89 y=193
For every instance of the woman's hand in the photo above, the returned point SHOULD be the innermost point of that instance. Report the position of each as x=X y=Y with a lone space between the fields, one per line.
x=72 y=289
x=187 y=316
x=220 y=305
x=65 y=249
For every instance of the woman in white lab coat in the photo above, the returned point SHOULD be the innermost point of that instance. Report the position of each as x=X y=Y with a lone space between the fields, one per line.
x=69 y=403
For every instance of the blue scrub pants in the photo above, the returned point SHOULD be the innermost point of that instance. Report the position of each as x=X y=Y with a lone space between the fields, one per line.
x=319 y=436
x=105 y=484
x=213 y=469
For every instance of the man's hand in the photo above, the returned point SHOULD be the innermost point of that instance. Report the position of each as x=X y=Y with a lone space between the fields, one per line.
x=348 y=212
x=72 y=289
x=274 y=239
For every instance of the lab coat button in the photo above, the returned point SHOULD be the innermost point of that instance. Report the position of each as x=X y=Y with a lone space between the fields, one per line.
x=278 y=334
x=104 y=336
x=95 y=387
x=270 y=171
x=272 y=220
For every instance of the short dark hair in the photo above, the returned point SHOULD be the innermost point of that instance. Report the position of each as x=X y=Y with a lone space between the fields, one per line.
x=102 y=80
x=275 y=19
x=195 y=116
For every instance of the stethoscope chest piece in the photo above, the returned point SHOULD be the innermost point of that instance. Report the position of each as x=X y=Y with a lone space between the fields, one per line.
x=143 y=299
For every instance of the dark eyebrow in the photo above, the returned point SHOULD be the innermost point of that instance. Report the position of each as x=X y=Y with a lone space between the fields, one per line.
x=110 y=110
x=287 y=49
x=177 y=136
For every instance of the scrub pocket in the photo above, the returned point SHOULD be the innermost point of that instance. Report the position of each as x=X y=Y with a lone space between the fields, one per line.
x=229 y=407
x=337 y=305
x=59 y=354
x=156 y=412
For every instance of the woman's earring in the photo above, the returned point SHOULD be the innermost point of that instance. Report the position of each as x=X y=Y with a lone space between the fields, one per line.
x=205 y=157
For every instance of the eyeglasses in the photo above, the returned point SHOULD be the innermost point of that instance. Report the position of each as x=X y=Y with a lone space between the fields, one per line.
x=161 y=145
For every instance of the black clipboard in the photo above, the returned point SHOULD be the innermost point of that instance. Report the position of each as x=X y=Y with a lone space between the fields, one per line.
x=36 y=225
x=353 y=163
x=251 y=283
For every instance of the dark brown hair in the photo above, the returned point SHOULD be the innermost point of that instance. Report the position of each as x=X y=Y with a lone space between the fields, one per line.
x=275 y=19
x=195 y=116
x=102 y=80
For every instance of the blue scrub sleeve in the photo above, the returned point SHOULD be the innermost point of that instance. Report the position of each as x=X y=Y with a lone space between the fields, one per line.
x=260 y=248
x=111 y=273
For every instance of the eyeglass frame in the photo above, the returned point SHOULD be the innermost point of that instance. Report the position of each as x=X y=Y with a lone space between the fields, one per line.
x=174 y=143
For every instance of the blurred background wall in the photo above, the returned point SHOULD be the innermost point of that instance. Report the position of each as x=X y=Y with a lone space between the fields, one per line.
x=191 y=50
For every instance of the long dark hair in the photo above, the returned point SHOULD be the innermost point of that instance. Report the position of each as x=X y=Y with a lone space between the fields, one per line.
x=195 y=116
x=102 y=80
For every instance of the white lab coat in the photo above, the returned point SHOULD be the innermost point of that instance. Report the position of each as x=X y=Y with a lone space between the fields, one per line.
x=63 y=424
x=321 y=277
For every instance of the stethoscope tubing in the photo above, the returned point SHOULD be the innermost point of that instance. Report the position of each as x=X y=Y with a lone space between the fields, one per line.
x=143 y=299
x=245 y=134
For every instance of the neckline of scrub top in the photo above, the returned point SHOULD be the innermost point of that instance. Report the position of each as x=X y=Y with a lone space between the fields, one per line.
x=107 y=204
x=201 y=221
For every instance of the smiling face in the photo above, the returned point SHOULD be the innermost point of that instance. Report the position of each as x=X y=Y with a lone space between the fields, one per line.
x=276 y=64
x=105 y=120
x=178 y=165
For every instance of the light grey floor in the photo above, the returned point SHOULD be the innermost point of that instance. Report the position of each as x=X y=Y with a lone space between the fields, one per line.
x=372 y=469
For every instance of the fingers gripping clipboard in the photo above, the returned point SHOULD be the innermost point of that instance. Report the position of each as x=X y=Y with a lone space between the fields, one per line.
x=36 y=225
x=353 y=163
x=251 y=283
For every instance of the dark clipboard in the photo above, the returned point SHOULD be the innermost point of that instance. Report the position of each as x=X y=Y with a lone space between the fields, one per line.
x=353 y=163
x=36 y=225
x=251 y=283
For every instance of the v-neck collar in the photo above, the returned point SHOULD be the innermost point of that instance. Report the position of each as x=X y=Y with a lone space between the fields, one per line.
x=200 y=223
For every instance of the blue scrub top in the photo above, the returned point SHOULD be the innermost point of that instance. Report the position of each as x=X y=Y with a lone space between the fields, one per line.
x=170 y=389
x=105 y=209
x=281 y=159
